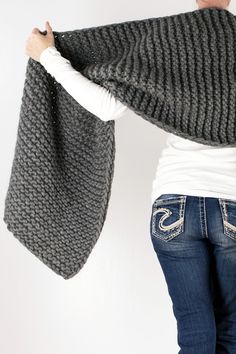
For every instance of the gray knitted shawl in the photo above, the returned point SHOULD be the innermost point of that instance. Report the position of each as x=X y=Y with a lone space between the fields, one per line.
x=177 y=72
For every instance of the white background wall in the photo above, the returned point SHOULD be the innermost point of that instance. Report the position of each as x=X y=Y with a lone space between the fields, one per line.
x=118 y=303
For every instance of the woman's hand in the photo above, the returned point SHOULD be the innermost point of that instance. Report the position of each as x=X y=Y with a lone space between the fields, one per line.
x=37 y=42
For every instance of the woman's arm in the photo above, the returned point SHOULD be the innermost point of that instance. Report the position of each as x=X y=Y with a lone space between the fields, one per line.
x=93 y=97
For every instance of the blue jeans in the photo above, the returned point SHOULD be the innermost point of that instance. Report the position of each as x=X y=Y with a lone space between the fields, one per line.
x=195 y=242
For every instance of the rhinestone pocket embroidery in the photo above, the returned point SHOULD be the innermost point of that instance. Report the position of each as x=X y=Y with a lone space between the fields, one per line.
x=168 y=217
x=228 y=211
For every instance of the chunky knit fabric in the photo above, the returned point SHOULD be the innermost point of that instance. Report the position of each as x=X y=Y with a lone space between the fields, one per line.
x=176 y=72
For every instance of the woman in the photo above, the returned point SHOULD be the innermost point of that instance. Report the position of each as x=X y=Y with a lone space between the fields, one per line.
x=193 y=221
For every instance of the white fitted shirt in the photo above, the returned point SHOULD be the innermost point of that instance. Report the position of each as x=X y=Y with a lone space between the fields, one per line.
x=185 y=167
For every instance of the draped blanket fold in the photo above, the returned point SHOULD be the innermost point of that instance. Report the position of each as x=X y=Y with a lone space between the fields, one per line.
x=176 y=72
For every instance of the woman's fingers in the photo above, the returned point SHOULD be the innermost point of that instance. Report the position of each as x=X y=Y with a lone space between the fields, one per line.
x=38 y=41
x=35 y=30
x=48 y=27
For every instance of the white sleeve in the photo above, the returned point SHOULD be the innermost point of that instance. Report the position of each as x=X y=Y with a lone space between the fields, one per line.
x=93 y=97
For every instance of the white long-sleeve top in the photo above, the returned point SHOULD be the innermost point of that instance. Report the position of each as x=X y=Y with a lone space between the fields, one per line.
x=93 y=97
x=185 y=167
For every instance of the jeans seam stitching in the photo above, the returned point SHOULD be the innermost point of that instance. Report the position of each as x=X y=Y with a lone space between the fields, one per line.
x=205 y=217
x=200 y=208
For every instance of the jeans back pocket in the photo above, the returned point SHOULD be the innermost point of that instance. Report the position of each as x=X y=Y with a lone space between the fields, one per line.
x=228 y=211
x=167 y=220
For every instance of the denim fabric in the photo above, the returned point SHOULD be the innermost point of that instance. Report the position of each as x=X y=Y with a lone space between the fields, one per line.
x=195 y=242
